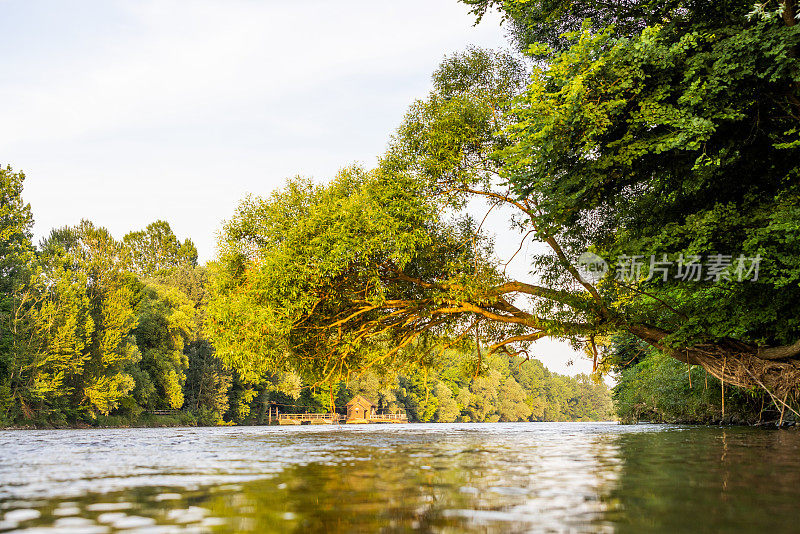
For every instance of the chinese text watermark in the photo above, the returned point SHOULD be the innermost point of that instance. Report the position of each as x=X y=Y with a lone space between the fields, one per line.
x=687 y=268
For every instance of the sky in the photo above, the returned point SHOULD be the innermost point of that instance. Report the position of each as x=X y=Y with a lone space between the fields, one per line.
x=126 y=112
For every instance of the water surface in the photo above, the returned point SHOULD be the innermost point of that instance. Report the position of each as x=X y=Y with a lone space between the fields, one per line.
x=552 y=477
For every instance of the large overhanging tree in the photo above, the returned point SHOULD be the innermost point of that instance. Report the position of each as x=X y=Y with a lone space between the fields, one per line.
x=679 y=140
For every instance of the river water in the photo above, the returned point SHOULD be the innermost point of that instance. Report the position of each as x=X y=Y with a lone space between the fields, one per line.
x=520 y=477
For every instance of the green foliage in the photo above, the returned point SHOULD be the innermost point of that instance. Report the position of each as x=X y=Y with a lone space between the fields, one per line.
x=99 y=320
x=83 y=335
x=240 y=403
x=550 y=21
x=18 y=325
x=208 y=383
x=16 y=222
x=414 y=394
x=155 y=250
x=679 y=143
x=446 y=390
x=658 y=389
x=504 y=390
x=165 y=324
x=447 y=407
x=295 y=265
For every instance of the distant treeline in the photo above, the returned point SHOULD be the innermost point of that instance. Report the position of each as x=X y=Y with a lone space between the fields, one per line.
x=96 y=330
x=449 y=391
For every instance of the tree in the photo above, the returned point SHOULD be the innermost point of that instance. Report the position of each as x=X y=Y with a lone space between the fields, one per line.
x=324 y=279
x=176 y=359
x=110 y=295
x=165 y=324
x=447 y=409
x=379 y=264
x=417 y=396
x=275 y=291
x=511 y=404
x=207 y=382
x=20 y=330
x=483 y=399
x=16 y=222
x=64 y=312
x=623 y=143
x=669 y=145
x=156 y=250
x=549 y=21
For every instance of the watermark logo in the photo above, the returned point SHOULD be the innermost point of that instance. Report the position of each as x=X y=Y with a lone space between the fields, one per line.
x=592 y=267
x=710 y=268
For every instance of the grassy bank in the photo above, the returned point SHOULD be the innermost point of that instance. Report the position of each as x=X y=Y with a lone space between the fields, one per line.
x=175 y=419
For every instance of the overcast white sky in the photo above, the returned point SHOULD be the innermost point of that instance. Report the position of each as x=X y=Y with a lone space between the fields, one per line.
x=124 y=112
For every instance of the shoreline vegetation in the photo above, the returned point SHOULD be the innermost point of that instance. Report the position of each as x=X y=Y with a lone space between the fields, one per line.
x=188 y=420
x=652 y=136
x=170 y=287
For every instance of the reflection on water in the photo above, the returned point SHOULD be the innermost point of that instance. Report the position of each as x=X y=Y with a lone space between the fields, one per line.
x=480 y=477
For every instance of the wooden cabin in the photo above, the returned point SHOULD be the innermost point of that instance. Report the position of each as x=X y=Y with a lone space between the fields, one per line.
x=360 y=410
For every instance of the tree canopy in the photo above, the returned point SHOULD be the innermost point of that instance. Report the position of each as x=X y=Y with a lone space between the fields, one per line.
x=668 y=139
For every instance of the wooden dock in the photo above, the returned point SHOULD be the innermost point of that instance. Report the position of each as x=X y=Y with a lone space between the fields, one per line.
x=335 y=419
x=388 y=418
x=309 y=418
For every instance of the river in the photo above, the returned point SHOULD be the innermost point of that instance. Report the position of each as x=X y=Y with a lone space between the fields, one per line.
x=519 y=477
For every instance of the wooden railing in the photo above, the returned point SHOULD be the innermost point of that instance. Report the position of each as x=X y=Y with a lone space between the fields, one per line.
x=310 y=416
x=296 y=418
x=389 y=417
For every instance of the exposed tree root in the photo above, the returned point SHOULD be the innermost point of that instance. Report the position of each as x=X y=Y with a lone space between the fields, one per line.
x=739 y=364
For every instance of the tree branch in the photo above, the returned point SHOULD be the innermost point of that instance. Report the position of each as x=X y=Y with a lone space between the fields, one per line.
x=779 y=353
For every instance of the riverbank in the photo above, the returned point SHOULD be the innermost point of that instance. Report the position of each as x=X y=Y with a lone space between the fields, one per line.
x=178 y=419
x=172 y=422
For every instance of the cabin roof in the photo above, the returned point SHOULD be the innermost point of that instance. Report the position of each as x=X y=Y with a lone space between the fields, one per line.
x=358 y=399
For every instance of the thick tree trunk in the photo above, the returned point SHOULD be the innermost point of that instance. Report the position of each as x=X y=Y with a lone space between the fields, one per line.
x=789 y=12
x=776 y=370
